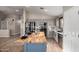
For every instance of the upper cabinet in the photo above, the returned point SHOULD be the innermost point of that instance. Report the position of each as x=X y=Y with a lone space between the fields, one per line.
x=59 y=23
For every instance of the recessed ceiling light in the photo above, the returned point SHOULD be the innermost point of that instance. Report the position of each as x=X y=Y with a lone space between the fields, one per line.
x=45 y=10
x=17 y=10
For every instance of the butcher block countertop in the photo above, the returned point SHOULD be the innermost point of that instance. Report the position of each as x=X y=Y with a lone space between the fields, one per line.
x=34 y=38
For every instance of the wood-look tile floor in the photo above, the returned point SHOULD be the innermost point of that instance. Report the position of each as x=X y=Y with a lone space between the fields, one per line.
x=52 y=46
x=9 y=45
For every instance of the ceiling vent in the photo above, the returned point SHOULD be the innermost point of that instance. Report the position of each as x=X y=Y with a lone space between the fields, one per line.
x=41 y=8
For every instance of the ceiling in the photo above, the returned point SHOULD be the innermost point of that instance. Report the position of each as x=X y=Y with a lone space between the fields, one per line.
x=8 y=10
x=65 y=8
x=50 y=10
x=11 y=9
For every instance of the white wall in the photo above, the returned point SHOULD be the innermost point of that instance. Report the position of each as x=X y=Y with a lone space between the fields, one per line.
x=23 y=19
x=71 y=29
x=13 y=26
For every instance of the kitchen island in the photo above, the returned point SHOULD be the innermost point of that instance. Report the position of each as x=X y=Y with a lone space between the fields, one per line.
x=36 y=42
